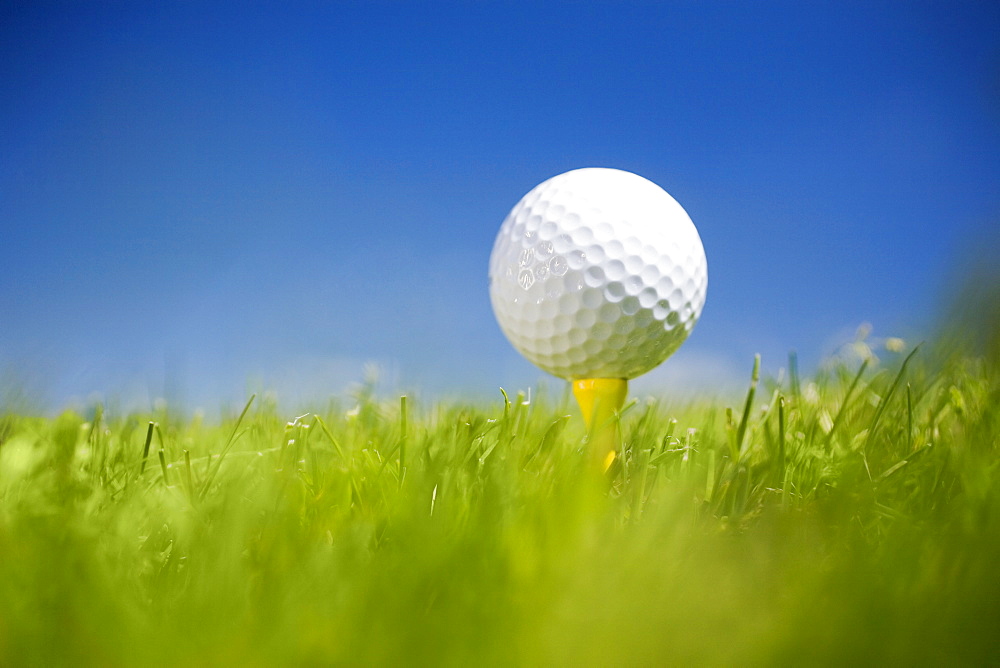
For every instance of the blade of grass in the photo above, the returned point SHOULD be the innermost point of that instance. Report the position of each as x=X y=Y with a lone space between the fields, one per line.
x=710 y=482
x=506 y=404
x=734 y=451
x=844 y=404
x=163 y=467
x=793 y=373
x=214 y=471
x=742 y=430
x=402 y=436
x=548 y=438
x=669 y=434
x=639 y=484
x=159 y=435
x=188 y=478
x=780 y=466
x=330 y=436
x=873 y=427
x=909 y=417
x=145 y=448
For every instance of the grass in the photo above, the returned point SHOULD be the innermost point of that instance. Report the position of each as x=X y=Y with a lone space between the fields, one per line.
x=850 y=517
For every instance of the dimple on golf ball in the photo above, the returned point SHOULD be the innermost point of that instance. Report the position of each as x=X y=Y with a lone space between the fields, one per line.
x=597 y=273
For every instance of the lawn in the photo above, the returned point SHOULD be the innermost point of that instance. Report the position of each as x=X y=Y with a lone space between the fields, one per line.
x=848 y=517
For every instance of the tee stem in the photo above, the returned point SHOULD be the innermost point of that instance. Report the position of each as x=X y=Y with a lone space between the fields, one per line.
x=600 y=401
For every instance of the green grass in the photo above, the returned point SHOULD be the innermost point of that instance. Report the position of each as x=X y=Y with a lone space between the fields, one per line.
x=850 y=517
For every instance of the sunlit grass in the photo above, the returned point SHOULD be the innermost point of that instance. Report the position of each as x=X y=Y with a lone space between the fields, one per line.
x=852 y=516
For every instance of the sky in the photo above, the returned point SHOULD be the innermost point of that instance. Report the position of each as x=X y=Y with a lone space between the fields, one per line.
x=201 y=200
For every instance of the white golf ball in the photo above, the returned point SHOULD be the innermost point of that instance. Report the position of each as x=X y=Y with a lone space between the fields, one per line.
x=597 y=273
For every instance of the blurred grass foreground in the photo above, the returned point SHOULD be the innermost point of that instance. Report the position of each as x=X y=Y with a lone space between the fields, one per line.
x=852 y=517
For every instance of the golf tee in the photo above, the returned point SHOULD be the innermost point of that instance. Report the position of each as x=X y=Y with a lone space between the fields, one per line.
x=600 y=400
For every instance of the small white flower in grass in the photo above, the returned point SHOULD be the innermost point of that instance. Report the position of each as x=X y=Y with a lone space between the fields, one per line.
x=895 y=344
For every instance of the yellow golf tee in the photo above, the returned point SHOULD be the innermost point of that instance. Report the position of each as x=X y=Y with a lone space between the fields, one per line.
x=600 y=399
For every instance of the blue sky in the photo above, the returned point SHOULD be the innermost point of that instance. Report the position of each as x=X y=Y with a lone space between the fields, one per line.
x=198 y=200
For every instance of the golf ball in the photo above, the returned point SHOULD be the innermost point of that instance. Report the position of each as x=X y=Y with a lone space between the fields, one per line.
x=597 y=273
